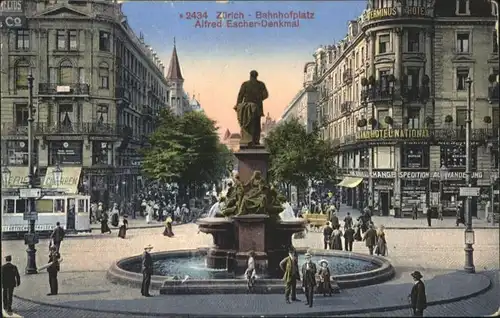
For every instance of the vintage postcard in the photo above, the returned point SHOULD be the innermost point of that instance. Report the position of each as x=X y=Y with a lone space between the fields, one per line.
x=249 y=158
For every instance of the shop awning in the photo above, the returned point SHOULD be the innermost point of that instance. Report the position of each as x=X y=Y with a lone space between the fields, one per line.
x=69 y=180
x=18 y=178
x=353 y=183
x=350 y=182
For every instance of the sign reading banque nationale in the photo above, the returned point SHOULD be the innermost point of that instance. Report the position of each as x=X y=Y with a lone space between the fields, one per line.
x=12 y=14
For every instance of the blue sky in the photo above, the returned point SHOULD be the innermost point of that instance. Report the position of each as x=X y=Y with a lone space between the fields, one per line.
x=216 y=60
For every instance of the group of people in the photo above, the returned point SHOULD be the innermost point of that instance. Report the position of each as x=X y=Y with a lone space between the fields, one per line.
x=307 y=275
x=363 y=230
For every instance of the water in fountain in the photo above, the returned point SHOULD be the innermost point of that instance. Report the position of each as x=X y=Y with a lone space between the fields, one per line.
x=195 y=267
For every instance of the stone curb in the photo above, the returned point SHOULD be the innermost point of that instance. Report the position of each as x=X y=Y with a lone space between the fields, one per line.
x=302 y=314
x=118 y=275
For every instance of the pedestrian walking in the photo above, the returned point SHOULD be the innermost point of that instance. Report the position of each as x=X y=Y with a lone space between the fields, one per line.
x=429 y=216
x=348 y=238
x=414 y=212
x=337 y=239
x=122 y=232
x=327 y=233
x=250 y=273
x=370 y=238
x=309 y=279
x=168 y=227
x=57 y=236
x=104 y=224
x=381 y=248
x=290 y=266
x=147 y=270
x=348 y=221
x=10 y=280
x=417 y=297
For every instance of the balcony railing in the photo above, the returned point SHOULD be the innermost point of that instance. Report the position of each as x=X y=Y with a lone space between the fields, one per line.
x=415 y=94
x=347 y=76
x=122 y=93
x=493 y=93
x=377 y=94
x=63 y=89
x=346 y=107
x=147 y=111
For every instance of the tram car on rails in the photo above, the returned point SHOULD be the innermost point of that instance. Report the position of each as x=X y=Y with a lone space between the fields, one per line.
x=71 y=211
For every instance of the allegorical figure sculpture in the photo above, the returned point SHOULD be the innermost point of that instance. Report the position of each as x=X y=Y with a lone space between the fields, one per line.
x=249 y=109
x=254 y=197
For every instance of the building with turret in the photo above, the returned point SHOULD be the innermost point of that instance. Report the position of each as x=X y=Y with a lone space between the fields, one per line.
x=393 y=98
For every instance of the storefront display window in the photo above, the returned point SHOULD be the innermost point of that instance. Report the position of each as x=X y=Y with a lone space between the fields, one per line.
x=415 y=156
x=102 y=153
x=17 y=152
x=453 y=156
x=65 y=152
x=413 y=192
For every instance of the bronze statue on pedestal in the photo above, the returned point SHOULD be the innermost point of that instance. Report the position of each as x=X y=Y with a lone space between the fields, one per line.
x=249 y=109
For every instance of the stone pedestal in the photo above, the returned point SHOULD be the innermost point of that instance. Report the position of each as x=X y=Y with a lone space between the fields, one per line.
x=251 y=236
x=251 y=159
x=221 y=253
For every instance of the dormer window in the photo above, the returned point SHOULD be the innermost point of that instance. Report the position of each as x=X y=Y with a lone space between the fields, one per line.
x=462 y=7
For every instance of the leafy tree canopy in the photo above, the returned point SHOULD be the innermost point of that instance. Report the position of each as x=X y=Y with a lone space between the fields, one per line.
x=297 y=156
x=185 y=149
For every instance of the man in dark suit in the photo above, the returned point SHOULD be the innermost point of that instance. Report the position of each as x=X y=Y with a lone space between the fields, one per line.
x=418 y=299
x=370 y=238
x=10 y=280
x=348 y=238
x=57 y=236
x=53 y=269
x=147 y=271
x=253 y=92
x=309 y=279
x=290 y=266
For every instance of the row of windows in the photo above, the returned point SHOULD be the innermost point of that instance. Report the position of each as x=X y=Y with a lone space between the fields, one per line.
x=66 y=40
x=418 y=156
x=65 y=74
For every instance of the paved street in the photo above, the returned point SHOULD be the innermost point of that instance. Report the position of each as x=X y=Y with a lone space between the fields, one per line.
x=86 y=258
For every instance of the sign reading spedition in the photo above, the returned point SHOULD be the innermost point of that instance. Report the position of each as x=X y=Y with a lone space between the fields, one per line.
x=392 y=134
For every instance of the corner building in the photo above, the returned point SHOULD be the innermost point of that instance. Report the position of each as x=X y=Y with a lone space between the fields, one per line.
x=97 y=89
x=393 y=98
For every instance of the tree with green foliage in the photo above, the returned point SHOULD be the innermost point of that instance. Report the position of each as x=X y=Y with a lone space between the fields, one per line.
x=186 y=150
x=297 y=156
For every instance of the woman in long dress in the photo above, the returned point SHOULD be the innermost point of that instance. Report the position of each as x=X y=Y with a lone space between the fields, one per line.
x=104 y=223
x=123 y=227
x=381 y=248
x=325 y=285
x=168 y=227
x=336 y=240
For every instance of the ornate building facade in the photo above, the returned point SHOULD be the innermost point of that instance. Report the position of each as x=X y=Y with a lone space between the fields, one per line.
x=97 y=89
x=303 y=105
x=393 y=98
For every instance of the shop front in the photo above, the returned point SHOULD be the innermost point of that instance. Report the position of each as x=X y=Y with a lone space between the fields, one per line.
x=414 y=190
x=352 y=189
x=448 y=186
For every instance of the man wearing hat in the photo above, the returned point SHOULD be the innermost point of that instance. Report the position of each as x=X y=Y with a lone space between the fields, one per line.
x=290 y=266
x=370 y=238
x=147 y=271
x=10 y=280
x=309 y=279
x=418 y=299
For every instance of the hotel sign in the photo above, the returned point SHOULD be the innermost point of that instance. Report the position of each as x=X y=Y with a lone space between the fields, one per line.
x=392 y=134
x=392 y=12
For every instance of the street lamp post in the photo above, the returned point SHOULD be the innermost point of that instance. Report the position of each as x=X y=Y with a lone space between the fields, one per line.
x=31 y=238
x=469 y=233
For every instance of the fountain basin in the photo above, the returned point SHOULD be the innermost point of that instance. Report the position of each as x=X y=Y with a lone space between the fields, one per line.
x=349 y=270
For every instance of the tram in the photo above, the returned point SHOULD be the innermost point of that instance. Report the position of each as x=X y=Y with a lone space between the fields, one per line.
x=71 y=211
